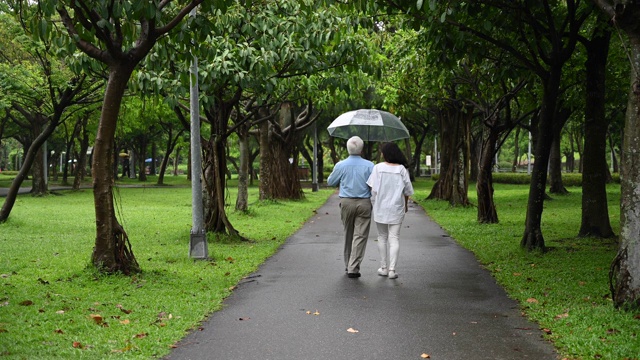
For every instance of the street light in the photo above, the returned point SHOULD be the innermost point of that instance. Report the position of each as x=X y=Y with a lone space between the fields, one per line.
x=198 y=247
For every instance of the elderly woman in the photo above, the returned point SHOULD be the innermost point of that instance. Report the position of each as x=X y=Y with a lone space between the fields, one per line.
x=390 y=190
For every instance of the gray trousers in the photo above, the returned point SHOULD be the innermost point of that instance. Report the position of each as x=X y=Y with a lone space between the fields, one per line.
x=356 y=219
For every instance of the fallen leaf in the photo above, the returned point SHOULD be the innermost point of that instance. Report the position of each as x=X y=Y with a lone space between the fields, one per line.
x=425 y=356
x=59 y=331
x=561 y=316
x=125 y=322
x=308 y=312
x=244 y=318
x=581 y=283
x=517 y=274
x=77 y=345
x=532 y=300
x=229 y=259
x=26 y=303
x=316 y=313
x=97 y=318
x=60 y=312
x=141 y=335
x=547 y=331
x=119 y=306
x=352 y=330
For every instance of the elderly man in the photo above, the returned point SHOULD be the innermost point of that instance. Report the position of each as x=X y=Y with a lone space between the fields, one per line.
x=351 y=175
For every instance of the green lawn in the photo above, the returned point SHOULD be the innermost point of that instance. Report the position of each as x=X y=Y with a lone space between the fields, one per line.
x=565 y=290
x=52 y=305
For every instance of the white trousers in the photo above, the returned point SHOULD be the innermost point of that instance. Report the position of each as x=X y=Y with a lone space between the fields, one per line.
x=388 y=244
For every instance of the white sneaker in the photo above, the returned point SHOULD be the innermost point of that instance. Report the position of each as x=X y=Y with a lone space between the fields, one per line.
x=392 y=274
x=383 y=271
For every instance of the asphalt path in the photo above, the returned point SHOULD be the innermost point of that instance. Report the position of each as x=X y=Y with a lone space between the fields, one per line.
x=301 y=305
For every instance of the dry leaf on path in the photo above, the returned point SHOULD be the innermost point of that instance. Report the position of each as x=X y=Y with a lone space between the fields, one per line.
x=425 y=356
x=352 y=330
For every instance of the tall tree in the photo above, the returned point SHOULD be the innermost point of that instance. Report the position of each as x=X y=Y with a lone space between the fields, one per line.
x=118 y=34
x=595 y=212
x=540 y=36
x=39 y=92
x=625 y=274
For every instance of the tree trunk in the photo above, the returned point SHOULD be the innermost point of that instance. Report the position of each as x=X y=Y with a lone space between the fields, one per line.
x=487 y=213
x=171 y=145
x=141 y=154
x=279 y=177
x=417 y=152
x=214 y=174
x=176 y=161
x=242 y=201
x=29 y=157
x=154 y=154
x=452 y=185
x=532 y=238
x=625 y=270
x=112 y=251
x=556 y=186
x=516 y=151
x=614 y=157
x=595 y=210
x=38 y=182
x=82 y=161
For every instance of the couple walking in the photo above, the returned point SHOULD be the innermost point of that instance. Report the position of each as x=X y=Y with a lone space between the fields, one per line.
x=383 y=189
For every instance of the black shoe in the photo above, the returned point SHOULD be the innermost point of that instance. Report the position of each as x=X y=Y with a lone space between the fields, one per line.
x=353 y=275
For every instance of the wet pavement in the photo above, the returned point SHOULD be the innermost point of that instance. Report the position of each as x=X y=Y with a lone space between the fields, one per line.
x=301 y=305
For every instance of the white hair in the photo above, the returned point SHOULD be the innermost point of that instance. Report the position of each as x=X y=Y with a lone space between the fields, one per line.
x=355 y=145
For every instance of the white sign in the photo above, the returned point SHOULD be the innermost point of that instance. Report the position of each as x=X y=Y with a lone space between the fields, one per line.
x=428 y=160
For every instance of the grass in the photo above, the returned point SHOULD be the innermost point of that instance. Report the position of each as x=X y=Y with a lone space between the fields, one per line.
x=53 y=305
x=565 y=290
x=48 y=294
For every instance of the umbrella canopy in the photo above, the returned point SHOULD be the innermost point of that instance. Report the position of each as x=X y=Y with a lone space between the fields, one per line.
x=368 y=124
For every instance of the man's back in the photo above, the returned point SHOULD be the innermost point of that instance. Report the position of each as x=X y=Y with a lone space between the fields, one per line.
x=351 y=175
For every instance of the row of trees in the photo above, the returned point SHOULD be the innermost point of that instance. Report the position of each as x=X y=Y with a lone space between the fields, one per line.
x=473 y=72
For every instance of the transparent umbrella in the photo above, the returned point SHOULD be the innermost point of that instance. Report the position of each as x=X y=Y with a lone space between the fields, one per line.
x=368 y=124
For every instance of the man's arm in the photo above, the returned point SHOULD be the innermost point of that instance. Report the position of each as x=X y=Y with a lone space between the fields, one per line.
x=334 y=177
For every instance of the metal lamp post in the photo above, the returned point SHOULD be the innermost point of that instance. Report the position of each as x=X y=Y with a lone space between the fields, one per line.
x=198 y=247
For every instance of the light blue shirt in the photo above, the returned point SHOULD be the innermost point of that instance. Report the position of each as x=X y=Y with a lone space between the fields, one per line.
x=351 y=175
